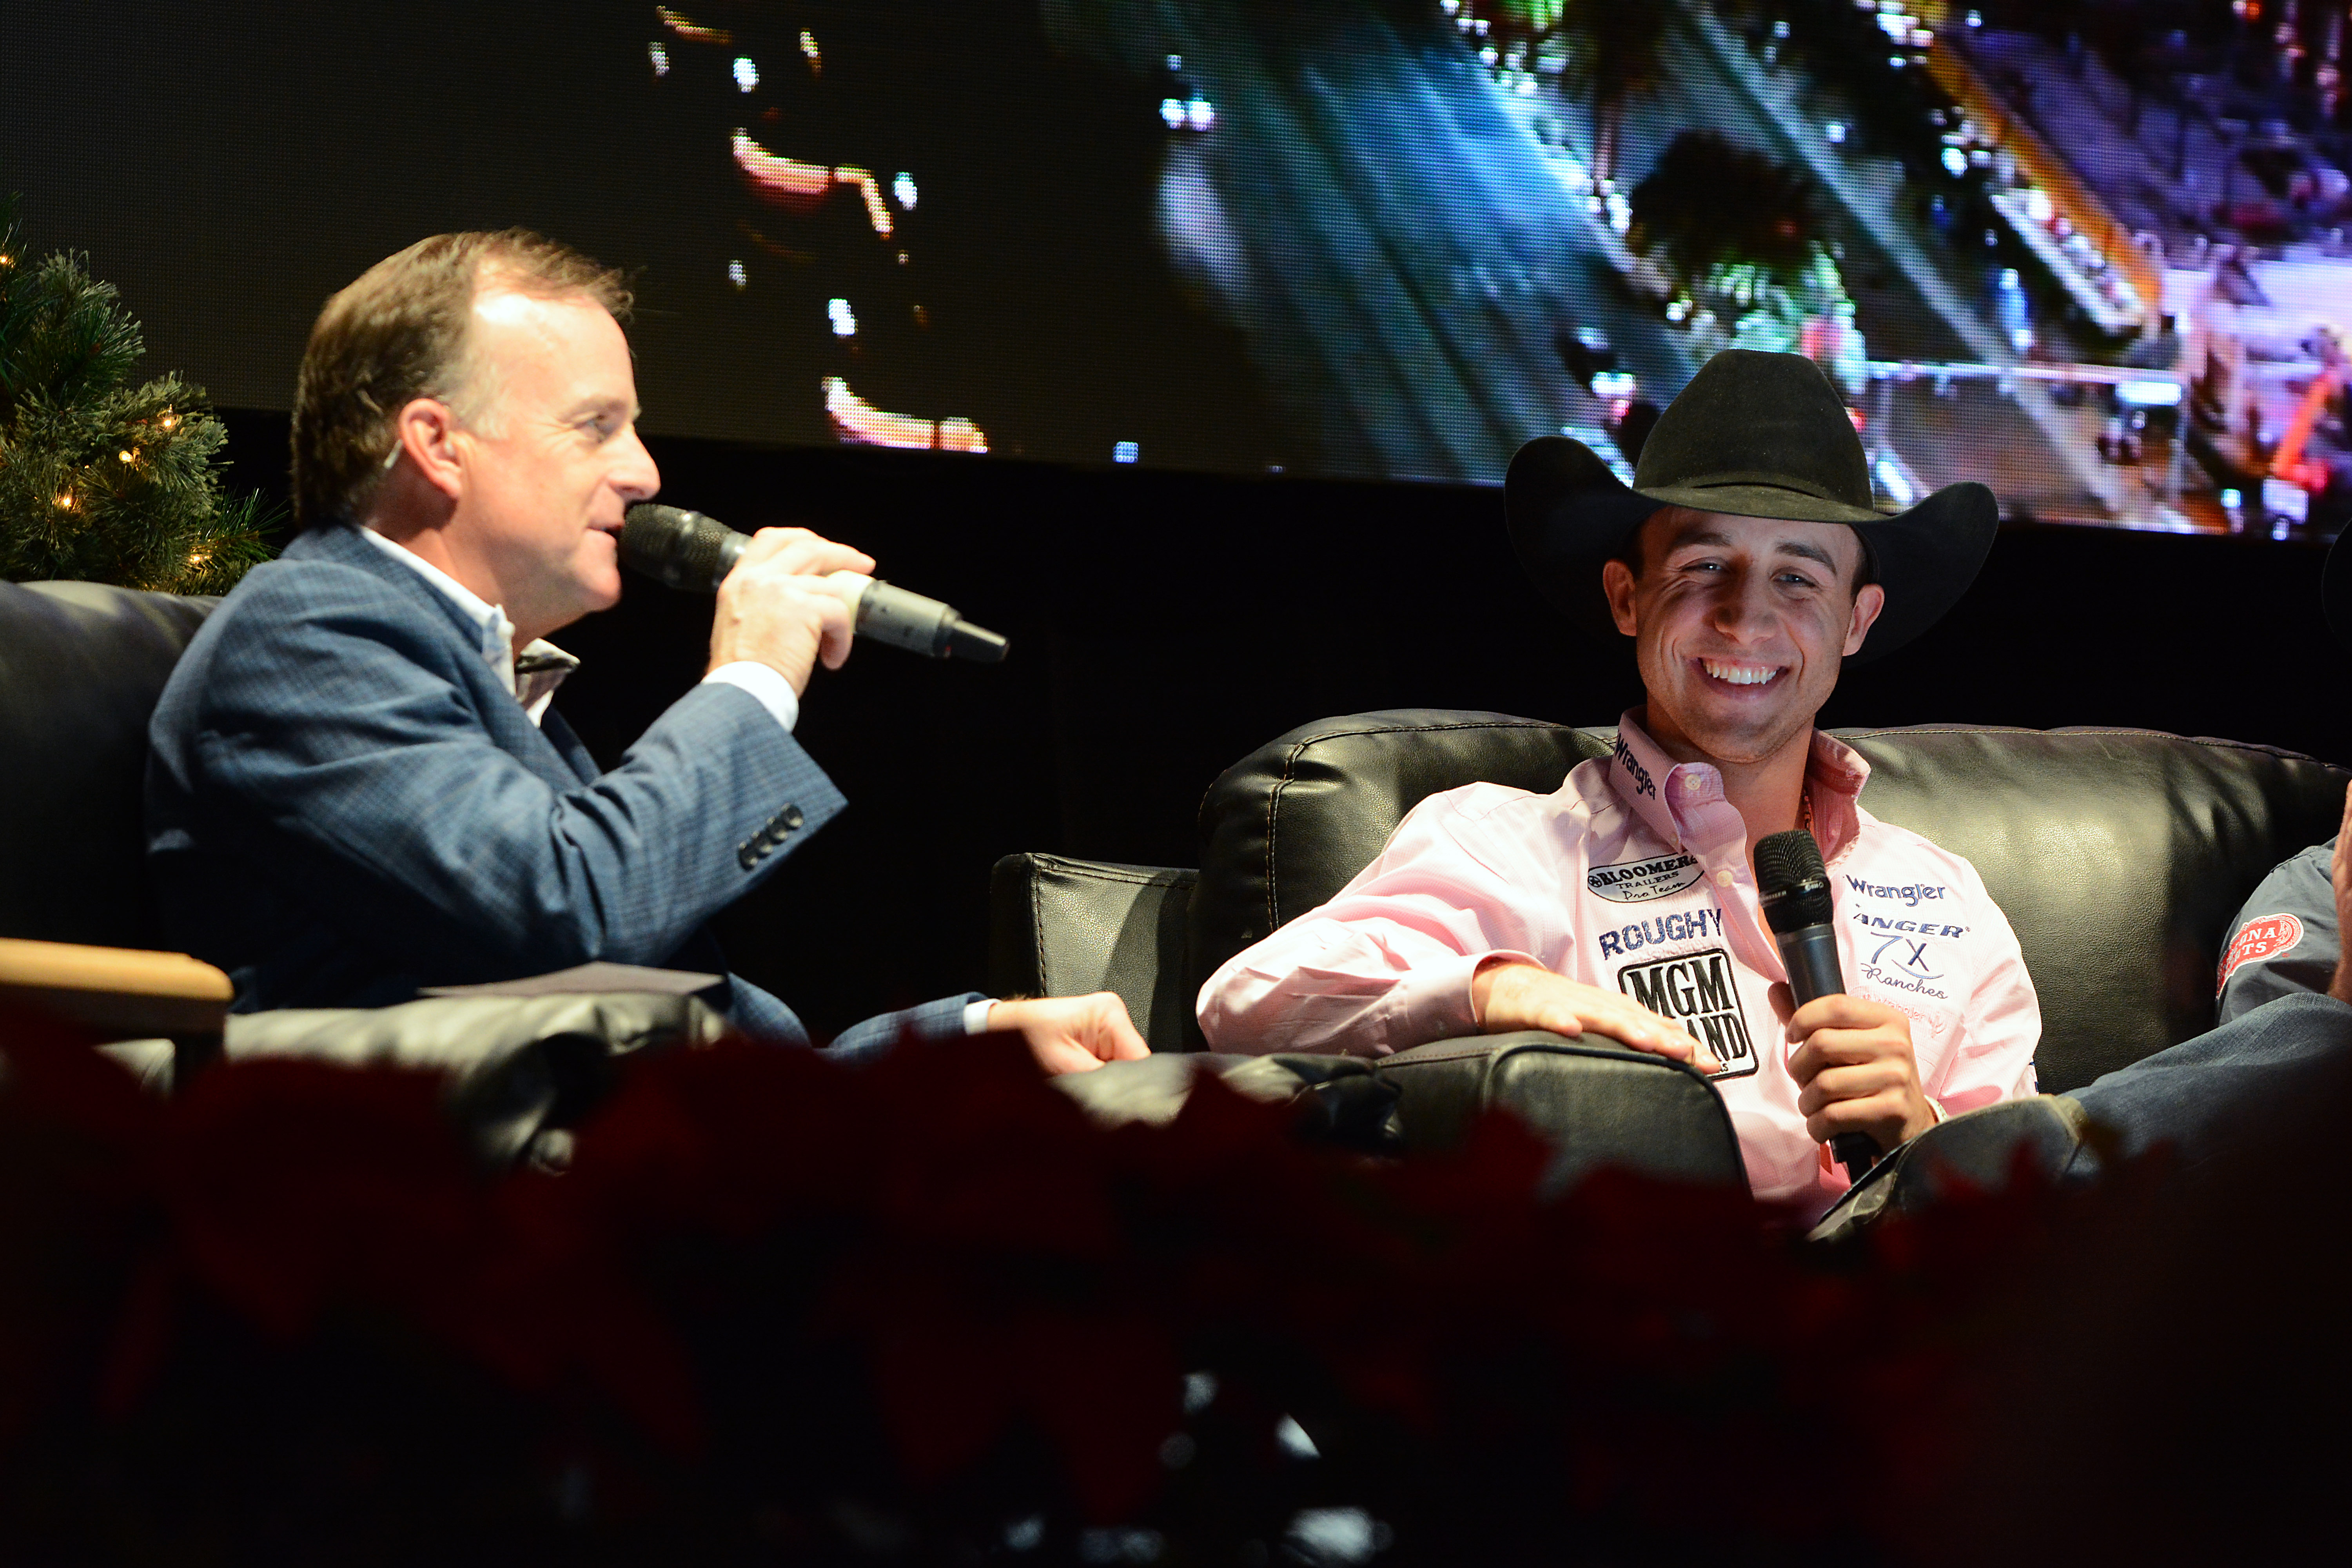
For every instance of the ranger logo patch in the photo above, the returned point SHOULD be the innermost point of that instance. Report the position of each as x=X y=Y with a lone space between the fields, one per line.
x=1639 y=881
x=1700 y=991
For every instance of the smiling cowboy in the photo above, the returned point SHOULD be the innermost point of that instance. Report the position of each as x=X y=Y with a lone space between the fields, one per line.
x=1746 y=562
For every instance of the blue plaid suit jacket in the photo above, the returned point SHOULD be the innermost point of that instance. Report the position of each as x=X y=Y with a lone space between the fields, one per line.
x=344 y=803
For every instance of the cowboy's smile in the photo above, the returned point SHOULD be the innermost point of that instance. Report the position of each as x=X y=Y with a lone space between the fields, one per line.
x=1738 y=672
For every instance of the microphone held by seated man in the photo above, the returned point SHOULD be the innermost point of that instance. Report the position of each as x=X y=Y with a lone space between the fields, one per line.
x=357 y=785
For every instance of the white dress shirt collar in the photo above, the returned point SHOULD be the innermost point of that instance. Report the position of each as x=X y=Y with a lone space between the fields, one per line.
x=533 y=675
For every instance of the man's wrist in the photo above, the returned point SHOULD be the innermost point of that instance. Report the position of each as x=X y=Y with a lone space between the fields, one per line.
x=1926 y=1119
x=765 y=682
x=1482 y=981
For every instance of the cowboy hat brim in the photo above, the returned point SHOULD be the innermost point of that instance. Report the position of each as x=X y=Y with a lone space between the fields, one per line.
x=1568 y=513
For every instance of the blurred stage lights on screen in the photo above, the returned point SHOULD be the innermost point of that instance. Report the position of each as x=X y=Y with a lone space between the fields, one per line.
x=747 y=74
x=1178 y=114
x=1955 y=162
x=903 y=187
x=735 y=274
x=2149 y=393
x=1127 y=452
x=1892 y=484
x=1835 y=132
x=844 y=322
x=659 y=56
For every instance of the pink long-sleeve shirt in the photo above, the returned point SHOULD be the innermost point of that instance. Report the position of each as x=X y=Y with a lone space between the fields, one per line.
x=1633 y=875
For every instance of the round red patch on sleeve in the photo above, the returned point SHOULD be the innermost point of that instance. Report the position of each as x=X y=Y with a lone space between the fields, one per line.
x=2265 y=937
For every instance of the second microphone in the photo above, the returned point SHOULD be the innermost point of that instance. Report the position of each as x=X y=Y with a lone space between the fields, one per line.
x=1794 y=889
x=688 y=549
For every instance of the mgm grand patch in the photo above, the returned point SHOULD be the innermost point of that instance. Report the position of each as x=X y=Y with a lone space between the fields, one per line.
x=1699 y=991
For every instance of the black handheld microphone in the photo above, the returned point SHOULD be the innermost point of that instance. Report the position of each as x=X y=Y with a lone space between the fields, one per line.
x=686 y=550
x=1794 y=888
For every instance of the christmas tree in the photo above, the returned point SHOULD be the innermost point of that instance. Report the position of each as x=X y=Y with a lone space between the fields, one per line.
x=102 y=480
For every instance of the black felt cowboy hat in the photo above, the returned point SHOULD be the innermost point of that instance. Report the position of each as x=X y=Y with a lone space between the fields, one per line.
x=1753 y=435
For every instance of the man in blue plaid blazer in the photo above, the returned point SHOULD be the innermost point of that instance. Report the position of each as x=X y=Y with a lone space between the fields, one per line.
x=356 y=784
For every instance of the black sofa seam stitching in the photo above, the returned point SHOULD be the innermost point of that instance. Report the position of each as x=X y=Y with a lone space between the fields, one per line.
x=1037 y=938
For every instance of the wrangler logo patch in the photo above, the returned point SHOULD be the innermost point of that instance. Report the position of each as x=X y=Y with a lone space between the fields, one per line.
x=1700 y=991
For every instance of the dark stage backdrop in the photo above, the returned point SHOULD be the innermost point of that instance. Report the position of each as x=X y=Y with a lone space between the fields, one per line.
x=1164 y=624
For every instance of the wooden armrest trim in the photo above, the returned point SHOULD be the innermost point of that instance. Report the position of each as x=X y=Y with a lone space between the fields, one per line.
x=117 y=991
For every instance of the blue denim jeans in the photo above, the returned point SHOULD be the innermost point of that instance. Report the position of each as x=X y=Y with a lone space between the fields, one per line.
x=2270 y=1074
x=2222 y=1092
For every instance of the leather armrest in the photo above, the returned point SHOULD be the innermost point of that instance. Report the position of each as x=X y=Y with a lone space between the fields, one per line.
x=1340 y=1100
x=1596 y=1105
x=1059 y=927
x=517 y=1068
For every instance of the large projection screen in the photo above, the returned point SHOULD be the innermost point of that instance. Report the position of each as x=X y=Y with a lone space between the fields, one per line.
x=1370 y=238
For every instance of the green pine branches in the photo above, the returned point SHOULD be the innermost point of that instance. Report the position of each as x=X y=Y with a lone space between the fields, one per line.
x=101 y=480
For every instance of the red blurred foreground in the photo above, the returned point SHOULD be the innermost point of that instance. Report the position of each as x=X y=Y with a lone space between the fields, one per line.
x=778 y=1310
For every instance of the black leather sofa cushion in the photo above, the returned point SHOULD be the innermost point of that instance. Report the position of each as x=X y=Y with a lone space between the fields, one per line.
x=1595 y=1103
x=81 y=664
x=2118 y=856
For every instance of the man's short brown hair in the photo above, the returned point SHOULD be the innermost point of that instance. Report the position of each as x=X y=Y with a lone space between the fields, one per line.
x=399 y=332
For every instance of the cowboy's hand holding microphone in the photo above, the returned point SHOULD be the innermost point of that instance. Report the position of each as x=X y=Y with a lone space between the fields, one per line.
x=1854 y=1067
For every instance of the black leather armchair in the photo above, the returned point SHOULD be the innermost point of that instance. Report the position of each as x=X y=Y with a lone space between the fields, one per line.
x=81 y=666
x=2118 y=856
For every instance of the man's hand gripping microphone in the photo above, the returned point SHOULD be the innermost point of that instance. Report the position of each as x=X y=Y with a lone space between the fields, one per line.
x=687 y=550
x=1794 y=888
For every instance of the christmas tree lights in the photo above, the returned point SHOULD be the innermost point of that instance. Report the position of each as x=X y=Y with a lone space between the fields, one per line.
x=102 y=480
